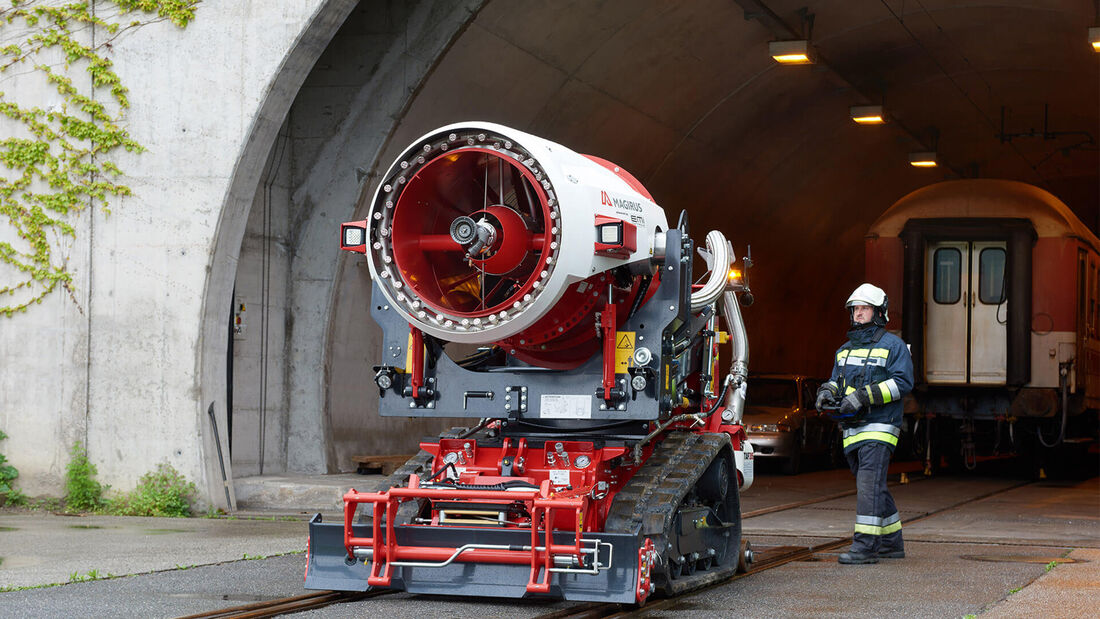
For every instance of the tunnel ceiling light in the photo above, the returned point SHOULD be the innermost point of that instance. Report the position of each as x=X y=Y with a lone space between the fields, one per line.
x=867 y=114
x=1094 y=38
x=791 y=52
x=923 y=160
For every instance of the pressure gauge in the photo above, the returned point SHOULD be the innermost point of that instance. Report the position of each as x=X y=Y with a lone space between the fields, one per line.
x=582 y=461
x=450 y=458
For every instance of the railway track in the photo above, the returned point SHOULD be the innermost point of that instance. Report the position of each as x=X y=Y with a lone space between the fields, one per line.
x=769 y=559
x=772 y=559
x=284 y=606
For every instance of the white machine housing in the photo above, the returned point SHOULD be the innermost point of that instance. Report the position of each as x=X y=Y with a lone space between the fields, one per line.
x=574 y=188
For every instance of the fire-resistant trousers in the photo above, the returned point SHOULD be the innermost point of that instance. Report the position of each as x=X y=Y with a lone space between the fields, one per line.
x=878 y=524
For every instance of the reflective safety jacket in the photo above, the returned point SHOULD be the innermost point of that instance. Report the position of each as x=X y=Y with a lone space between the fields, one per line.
x=878 y=362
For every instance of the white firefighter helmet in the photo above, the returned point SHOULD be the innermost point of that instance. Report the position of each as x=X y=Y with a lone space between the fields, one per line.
x=869 y=294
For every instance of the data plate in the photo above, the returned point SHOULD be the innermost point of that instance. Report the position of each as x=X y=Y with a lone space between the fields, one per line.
x=556 y=406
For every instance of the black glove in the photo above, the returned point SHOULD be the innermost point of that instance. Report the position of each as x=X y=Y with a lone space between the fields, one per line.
x=854 y=402
x=826 y=394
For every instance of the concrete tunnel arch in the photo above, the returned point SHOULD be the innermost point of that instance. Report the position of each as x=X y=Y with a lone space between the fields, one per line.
x=213 y=377
x=555 y=99
x=681 y=95
x=337 y=185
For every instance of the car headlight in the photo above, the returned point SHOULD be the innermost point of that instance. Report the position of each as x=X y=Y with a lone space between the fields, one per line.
x=770 y=427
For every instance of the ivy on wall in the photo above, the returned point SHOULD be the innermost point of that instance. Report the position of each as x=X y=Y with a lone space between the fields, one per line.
x=56 y=162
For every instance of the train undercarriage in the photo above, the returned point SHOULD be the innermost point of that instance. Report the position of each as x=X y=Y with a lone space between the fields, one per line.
x=1047 y=435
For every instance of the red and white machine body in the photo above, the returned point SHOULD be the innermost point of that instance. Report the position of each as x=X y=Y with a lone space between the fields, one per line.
x=605 y=454
x=561 y=193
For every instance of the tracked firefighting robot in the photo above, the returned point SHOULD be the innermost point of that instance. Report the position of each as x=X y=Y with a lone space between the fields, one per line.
x=542 y=294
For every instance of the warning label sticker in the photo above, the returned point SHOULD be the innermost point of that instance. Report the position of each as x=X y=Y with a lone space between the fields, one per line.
x=559 y=477
x=559 y=406
x=624 y=350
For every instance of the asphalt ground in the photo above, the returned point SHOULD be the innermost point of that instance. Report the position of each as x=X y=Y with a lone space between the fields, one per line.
x=987 y=557
x=43 y=548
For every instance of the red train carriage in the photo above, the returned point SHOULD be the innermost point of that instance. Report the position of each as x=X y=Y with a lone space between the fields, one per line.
x=994 y=285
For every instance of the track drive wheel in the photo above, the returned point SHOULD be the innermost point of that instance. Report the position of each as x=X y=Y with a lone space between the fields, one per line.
x=703 y=537
x=685 y=499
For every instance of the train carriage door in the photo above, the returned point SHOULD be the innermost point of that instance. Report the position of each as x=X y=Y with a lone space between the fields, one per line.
x=1087 y=366
x=946 y=313
x=988 y=314
x=966 y=334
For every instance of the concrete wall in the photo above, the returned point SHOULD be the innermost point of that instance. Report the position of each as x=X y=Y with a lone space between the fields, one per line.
x=44 y=364
x=254 y=132
x=119 y=365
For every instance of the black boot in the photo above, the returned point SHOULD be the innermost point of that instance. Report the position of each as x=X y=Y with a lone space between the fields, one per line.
x=891 y=554
x=856 y=558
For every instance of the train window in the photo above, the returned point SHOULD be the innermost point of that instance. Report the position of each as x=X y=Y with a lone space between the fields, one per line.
x=946 y=275
x=991 y=275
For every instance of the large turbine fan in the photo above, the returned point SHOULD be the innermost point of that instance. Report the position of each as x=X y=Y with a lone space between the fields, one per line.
x=469 y=233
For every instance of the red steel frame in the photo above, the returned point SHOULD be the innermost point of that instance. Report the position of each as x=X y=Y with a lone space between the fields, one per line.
x=540 y=503
x=578 y=510
x=550 y=511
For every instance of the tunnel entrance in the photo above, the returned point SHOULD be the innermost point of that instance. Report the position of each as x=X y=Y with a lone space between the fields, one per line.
x=765 y=153
x=296 y=181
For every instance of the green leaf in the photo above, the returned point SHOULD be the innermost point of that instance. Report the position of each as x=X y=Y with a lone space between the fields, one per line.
x=73 y=146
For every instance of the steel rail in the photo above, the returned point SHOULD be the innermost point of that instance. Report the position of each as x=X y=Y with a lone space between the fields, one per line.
x=282 y=606
x=320 y=599
x=601 y=610
x=591 y=610
x=821 y=499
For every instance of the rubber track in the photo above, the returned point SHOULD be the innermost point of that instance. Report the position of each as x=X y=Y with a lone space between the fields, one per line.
x=648 y=502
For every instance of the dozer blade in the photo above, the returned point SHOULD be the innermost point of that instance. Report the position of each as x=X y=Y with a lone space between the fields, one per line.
x=618 y=583
x=327 y=566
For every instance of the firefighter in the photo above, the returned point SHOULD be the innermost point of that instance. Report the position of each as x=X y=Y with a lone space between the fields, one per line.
x=872 y=371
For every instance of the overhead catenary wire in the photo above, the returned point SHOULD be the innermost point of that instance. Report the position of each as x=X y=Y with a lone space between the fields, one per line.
x=962 y=91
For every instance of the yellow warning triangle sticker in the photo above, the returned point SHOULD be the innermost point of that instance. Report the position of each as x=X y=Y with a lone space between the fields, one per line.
x=625 y=341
